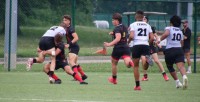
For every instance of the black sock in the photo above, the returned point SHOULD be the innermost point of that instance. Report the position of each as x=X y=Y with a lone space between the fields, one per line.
x=50 y=73
x=137 y=83
x=114 y=76
x=163 y=73
x=145 y=75
x=34 y=60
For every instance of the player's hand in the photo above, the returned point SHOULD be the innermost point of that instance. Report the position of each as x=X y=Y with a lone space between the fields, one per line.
x=66 y=45
x=106 y=44
x=44 y=52
x=111 y=33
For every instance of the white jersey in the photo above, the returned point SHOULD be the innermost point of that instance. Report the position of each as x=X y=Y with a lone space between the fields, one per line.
x=174 y=38
x=54 y=30
x=141 y=32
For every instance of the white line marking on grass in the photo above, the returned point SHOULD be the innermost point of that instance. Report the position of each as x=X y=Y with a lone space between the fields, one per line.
x=46 y=100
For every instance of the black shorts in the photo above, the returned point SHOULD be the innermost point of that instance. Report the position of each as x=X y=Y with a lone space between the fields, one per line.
x=139 y=50
x=74 y=49
x=186 y=50
x=61 y=64
x=174 y=55
x=153 y=49
x=46 y=43
x=118 y=52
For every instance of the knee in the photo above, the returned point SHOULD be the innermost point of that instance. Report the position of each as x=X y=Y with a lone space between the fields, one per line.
x=170 y=68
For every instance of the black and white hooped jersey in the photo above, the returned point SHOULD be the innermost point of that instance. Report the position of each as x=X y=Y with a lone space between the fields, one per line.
x=55 y=30
x=174 y=38
x=141 y=32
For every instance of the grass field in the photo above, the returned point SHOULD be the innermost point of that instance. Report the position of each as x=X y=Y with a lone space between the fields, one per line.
x=33 y=86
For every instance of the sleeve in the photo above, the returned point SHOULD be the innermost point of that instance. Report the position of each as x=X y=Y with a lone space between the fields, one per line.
x=150 y=30
x=117 y=30
x=188 y=33
x=132 y=27
x=71 y=30
x=167 y=28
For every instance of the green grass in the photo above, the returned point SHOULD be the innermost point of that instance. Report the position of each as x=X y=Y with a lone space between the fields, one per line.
x=34 y=87
x=18 y=85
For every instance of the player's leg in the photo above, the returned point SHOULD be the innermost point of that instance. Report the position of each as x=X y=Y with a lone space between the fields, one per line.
x=145 y=67
x=136 y=73
x=72 y=61
x=52 y=78
x=187 y=55
x=75 y=75
x=113 y=78
x=170 y=60
x=160 y=66
x=53 y=61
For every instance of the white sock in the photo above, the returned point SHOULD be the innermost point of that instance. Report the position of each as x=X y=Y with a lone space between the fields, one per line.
x=189 y=68
x=177 y=81
x=184 y=76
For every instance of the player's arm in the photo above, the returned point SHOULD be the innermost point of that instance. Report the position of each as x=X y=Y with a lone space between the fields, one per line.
x=75 y=35
x=165 y=35
x=151 y=38
x=50 y=52
x=131 y=36
x=116 y=40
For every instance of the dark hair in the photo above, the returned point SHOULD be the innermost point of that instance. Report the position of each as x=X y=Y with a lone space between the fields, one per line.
x=58 y=38
x=67 y=17
x=139 y=14
x=118 y=17
x=176 y=21
x=147 y=18
x=63 y=25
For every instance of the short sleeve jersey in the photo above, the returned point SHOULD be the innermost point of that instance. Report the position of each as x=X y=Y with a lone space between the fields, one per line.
x=187 y=33
x=55 y=30
x=124 y=32
x=174 y=38
x=141 y=32
x=69 y=37
x=61 y=55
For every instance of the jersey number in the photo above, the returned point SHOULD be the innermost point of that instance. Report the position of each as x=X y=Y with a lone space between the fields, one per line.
x=176 y=37
x=53 y=28
x=142 y=32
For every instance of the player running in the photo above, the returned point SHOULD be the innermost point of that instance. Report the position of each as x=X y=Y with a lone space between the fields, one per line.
x=61 y=62
x=47 y=44
x=121 y=48
x=72 y=38
x=153 y=52
x=174 y=52
x=141 y=34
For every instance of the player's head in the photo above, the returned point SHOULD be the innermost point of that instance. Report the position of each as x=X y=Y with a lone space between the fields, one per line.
x=175 y=21
x=58 y=39
x=139 y=15
x=67 y=19
x=146 y=19
x=63 y=25
x=185 y=23
x=116 y=19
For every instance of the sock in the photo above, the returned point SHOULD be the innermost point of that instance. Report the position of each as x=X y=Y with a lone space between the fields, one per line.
x=145 y=76
x=34 y=60
x=114 y=76
x=163 y=73
x=80 y=70
x=131 y=64
x=137 y=83
x=51 y=74
x=74 y=68
x=184 y=76
x=189 y=68
x=177 y=80
x=77 y=77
